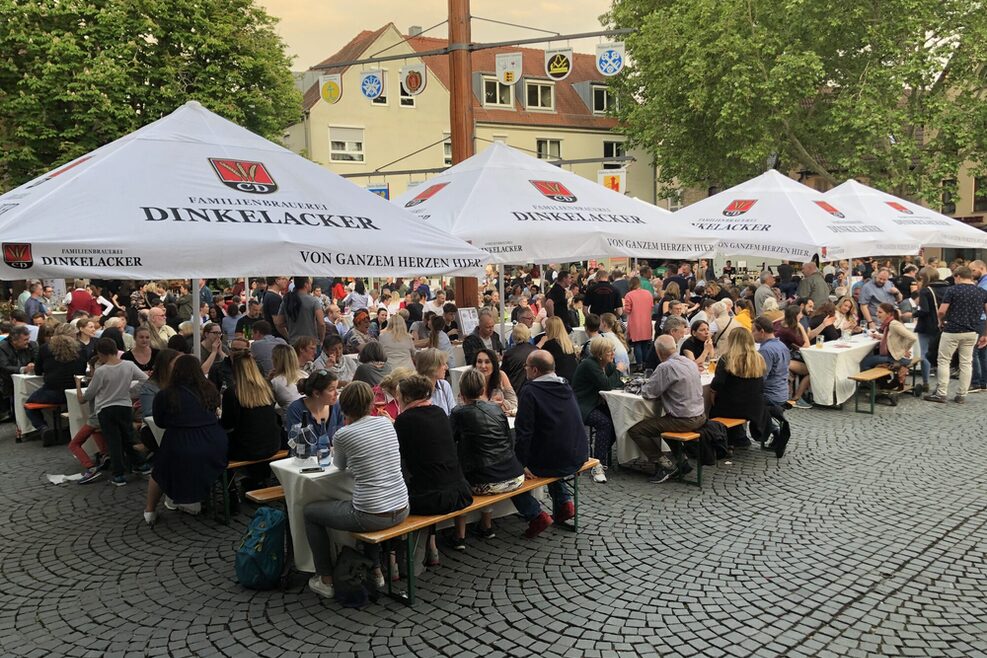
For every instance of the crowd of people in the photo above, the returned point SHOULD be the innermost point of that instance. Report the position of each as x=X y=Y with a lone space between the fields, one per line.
x=273 y=360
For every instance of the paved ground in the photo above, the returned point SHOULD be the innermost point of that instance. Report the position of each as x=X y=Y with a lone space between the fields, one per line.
x=868 y=538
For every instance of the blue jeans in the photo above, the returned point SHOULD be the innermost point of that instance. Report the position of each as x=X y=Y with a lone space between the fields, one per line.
x=43 y=396
x=872 y=360
x=924 y=340
x=528 y=506
x=979 y=363
x=642 y=349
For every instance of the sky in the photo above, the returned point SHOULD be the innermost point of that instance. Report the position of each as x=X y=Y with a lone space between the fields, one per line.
x=315 y=29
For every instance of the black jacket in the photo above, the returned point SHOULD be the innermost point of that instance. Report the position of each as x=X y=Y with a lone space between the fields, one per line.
x=551 y=439
x=927 y=318
x=59 y=375
x=483 y=438
x=474 y=344
x=11 y=362
x=513 y=365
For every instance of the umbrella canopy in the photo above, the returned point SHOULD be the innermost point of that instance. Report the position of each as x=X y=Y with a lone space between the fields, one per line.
x=195 y=195
x=524 y=210
x=929 y=228
x=776 y=217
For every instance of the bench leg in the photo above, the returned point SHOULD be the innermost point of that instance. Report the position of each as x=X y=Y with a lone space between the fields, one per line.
x=408 y=596
x=575 y=502
x=226 y=498
x=873 y=396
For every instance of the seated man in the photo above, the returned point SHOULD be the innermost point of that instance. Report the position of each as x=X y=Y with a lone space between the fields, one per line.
x=776 y=358
x=483 y=336
x=676 y=383
x=592 y=328
x=18 y=354
x=551 y=440
x=263 y=346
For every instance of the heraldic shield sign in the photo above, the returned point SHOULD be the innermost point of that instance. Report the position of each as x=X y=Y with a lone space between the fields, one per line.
x=372 y=84
x=331 y=88
x=610 y=58
x=413 y=79
x=558 y=63
x=508 y=68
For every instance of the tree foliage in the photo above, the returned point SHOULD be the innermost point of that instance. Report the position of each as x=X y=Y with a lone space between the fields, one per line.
x=75 y=74
x=890 y=91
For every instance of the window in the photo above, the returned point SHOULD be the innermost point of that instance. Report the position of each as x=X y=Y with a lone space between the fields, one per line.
x=549 y=149
x=496 y=94
x=447 y=151
x=675 y=201
x=407 y=100
x=382 y=99
x=980 y=194
x=948 y=200
x=603 y=100
x=346 y=144
x=613 y=150
x=540 y=96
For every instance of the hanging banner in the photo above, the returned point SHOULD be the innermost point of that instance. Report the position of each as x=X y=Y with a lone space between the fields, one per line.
x=613 y=179
x=610 y=58
x=558 y=63
x=372 y=84
x=331 y=88
x=508 y=68
x=413 y=79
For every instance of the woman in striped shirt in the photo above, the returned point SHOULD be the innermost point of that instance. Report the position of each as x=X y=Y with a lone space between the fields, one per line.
x=368 y=448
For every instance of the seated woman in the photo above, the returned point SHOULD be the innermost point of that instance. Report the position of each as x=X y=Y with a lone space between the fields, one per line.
x=486 y=453
x=847 y=316
x=895 y=349
x=193 y=452
x=556 y=342
x=738 y=385
x=397 y=343
x=285 y=375
x=385 y=393
x=305 y=348
x=771 y=310
x=432 y=364
x=373 y=365
x=745 y=314
x=142 y=354
x=368 y=448
x=823 y=323
x=791 y=332
x=59 y=361
x=359 y=334
x=699 y=346
x=595 y=374
x=613 y=330
x=249 y=414
x=318 y=408
x=498 y=387
x=157 y=380
x=437 y=339
x=435 y=481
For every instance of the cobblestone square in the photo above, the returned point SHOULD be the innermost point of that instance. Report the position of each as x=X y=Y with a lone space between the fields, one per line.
x=868 y=538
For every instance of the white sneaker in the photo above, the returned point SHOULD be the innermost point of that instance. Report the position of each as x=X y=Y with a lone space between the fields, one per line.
x=169 y=504
x=150 y=518
x=190 y=508
x=322 y=589
x=379 y=580
x=598 y=475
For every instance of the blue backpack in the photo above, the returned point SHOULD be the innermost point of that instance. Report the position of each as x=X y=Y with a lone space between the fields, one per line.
x=260 y=556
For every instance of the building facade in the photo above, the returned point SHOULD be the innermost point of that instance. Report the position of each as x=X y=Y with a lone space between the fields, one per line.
x=555 y=120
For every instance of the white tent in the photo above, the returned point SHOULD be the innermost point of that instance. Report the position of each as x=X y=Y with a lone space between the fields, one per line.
x=776 y=217
x=524 y=210
x=928 y=227
x=195 y=195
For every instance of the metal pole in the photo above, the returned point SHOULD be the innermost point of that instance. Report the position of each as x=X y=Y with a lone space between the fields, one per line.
x=196 y=319
x=500 y=280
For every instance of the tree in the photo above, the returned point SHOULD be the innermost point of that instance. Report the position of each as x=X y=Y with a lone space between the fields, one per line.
x=76 y=74
x=891 y=91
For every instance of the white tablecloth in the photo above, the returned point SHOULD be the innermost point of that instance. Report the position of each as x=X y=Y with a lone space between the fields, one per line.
x=78 y=415
x=628 y=409
x=831 y=365
x=24 y=385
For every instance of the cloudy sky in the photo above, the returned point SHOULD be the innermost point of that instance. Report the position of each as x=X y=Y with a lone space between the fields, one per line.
x=315 y=29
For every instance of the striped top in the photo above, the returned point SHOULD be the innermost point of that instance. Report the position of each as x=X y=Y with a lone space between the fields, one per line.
x=369 y=450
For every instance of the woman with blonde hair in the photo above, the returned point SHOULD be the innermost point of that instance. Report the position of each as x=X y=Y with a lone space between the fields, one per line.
x=285 y=375
x=613 y=330
x=433 y=364
x=386 y=393
x=738 y=385
x=847 y=314
x=593 y=376
x=397 y=342
x=556 y=342
x=720 y=313
x=249 y=415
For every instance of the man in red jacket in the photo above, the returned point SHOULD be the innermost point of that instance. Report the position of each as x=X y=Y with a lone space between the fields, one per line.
x=81 y=300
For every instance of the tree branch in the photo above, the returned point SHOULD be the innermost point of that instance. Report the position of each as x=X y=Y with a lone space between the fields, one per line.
x=805 y=157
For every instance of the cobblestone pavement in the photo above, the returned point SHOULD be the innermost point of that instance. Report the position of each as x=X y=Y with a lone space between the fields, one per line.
x=868 y=538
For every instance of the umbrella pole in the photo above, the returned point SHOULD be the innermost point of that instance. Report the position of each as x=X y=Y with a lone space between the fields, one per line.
x=500 y=283
x=196 y=320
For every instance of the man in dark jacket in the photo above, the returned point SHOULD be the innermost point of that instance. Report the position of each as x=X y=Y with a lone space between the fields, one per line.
x=18 y=354
x=551 y=440
x=482 y=337
x=516 y=358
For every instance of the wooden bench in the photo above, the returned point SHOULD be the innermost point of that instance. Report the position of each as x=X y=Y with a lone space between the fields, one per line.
x=415 y=522
x=56 y=412
x=870 y=377
x=268 y=495
x=686 y=437
x=233 y=466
